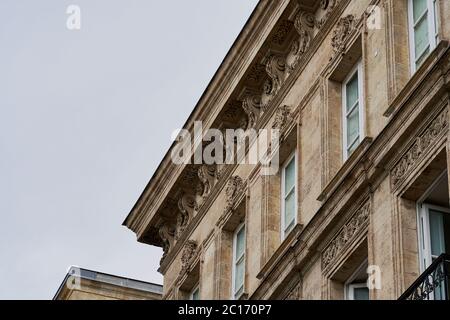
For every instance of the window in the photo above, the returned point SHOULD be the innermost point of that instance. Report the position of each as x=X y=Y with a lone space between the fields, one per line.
x=356 y=287
x=353 y=107
x=435 y=238
x=289 y=196
x=435 y=232
x=423 y=30
x=238 y=262
x=195 y=294
x=357 y=291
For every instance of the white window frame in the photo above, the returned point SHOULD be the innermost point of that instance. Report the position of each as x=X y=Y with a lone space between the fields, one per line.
x=349 y=287
x=433 y=30
x=357 y=69
x=196 y=288
x=234 y=295
x=425 y=242
x=294 y=157
x=423 y=224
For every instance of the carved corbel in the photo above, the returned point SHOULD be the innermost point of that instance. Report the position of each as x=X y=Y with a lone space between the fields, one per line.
x=187 y=207
x=253 y=108
x=207 y=176
x=327 y=6
x=276 y=70
x=304 y=24
x=167 y=234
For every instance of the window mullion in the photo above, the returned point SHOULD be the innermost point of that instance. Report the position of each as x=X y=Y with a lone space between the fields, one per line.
x=354 y=106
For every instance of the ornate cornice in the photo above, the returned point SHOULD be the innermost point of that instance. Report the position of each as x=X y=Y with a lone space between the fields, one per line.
x=279 y=73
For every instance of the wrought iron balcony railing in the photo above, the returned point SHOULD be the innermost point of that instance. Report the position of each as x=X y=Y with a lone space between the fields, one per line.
x=433 y=284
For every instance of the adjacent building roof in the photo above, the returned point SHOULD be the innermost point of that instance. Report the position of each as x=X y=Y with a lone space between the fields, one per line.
x=97 y=283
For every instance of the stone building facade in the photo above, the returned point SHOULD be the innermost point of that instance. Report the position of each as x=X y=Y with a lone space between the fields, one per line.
x=359 y=208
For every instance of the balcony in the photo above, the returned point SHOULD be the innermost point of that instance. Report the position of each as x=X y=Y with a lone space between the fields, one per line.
x=433 y=284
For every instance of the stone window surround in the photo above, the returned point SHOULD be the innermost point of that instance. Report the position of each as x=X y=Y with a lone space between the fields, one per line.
x=334 y=77
x=398 y=37
x=272 y=240
x=357 y=70
x=234 y=216
x=347 y=249
x=427 y=152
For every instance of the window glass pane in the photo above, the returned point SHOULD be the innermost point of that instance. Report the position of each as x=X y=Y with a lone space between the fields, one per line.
x=196 y=294
x=289 y=210
x=289 y=176
x=352 y=92
x=421 y=39
x=422 y=58
x=419 y=7
x=240 y=243
x=239 y=276
x=437 y=233
x=352 y=127
x=360 y=293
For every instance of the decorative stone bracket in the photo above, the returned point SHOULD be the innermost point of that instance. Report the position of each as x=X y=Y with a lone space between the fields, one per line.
x=167 y=234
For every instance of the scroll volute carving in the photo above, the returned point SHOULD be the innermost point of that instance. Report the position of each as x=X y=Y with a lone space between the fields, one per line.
x=207 y=176
x=327 y=6
x=167 y=234
x=276 y=70
x=187 y=206
x=304 y=25
x=253 y=108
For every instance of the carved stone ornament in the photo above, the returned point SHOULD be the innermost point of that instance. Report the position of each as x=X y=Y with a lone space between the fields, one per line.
x=276 y=70
x=235 y=187
x=252 y=107
x=304 y=24
x=346 y=235
x=167 y=234
x=296 y=292
x=188 y=255
x=187 y=206
x=281 y=33
x=283 y=117
x=328 y=6
x=324 y=4
x=344 y=28
x=207 y=176
x=419 y=148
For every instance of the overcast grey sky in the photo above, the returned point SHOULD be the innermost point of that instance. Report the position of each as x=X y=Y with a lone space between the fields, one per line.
x=86 y=116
